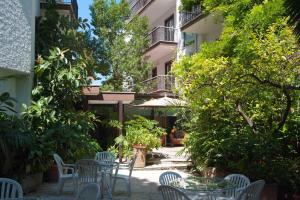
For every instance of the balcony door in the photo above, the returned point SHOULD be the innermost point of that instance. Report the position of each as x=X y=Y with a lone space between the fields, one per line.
x=168 y=66
x=168 y=80
x=169 y=30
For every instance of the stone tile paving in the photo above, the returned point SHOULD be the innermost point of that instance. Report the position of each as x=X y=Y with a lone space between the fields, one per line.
x=143 y=186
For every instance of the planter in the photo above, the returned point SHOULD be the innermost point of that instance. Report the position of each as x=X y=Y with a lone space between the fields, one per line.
x=269 y=192
x=141 y=152
x=31 y=182
x=51 y=175
x=163 y=140
x=214 y=172
x=296 y=196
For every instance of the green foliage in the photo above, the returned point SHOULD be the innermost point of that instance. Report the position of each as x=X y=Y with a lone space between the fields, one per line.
x=188 y=4
x=140 y=131
x=16 y=142
x=243 y=92
x=123 y=42
x=55 y=118
x=6 y=102
x=55 y=30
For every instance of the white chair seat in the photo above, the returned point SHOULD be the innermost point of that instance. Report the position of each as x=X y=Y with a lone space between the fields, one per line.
x=63 y=170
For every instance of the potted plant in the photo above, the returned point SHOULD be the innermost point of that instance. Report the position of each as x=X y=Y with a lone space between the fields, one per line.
x=142 y=135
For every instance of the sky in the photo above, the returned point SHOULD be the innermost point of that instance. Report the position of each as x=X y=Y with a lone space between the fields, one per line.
x=84 y=8
x=84 y=12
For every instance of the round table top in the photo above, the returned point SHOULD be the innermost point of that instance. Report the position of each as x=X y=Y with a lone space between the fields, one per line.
x=204 y=184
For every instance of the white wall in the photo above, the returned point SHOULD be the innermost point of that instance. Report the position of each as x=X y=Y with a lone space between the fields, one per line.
x=17 y=37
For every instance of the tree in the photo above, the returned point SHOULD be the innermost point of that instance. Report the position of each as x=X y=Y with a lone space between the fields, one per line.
x=55 y=30
x=293 y=8
x=243 y=90
x=124 y=43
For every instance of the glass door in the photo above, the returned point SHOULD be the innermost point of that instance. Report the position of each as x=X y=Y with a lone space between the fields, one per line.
x=169 y=28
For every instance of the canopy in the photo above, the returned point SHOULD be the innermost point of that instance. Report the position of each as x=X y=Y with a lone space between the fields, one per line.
x=163 y=102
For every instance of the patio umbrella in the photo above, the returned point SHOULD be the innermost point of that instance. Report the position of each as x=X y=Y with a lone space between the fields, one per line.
x=163 y=102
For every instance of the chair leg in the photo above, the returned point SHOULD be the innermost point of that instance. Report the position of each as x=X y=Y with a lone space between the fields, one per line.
x=60 y=186
x=128 y=188
x=114 y=184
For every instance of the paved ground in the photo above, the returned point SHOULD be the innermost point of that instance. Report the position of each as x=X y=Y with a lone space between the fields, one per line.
x=144 y=183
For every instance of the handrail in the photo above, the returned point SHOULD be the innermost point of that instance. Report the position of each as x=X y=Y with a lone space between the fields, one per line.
x=155 y=77
x=159 y=83
x=187 y=16
x=158 y=27
x=139 y=4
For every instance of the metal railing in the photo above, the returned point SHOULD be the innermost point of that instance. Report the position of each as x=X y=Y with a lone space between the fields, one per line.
x=162 y=33
x=159 y=83
x=72 y=3
x=138 y=5
x=187 y=16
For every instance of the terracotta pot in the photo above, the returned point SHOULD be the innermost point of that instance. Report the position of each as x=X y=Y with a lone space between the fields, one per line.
x=296 y=196
x=51 y=174
x=32 y=182
x=141 y=152
x=269 y=192
x=163 y=140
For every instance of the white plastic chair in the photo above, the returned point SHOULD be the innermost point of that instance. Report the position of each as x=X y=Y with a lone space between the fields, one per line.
x=252 y=191
x=107 y=162
x=166 y=177
x=240 y=181
x=87 y=172
x=171 y=193
x=10 y=189
x=126 y=178
x=89 y=192
x=63 y=172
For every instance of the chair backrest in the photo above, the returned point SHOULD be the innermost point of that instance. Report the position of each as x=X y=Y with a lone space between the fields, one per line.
x=105 y=156
x=87 y=170
x=166 y=177
x=240 y=181
x=89 y=192
x=10 y=189
x=171 y=193
x=59 y=164
x=252 y=191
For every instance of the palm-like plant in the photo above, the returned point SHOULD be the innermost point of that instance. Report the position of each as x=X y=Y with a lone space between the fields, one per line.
x=13 y=136
x=293 y=8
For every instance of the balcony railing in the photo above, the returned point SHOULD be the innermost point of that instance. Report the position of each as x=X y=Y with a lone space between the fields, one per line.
x=72 y=3
x=138 y=5
x=162 y=33
x=187 y=16
x=159 y=83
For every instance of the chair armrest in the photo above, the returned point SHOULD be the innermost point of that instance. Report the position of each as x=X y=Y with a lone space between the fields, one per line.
x=70 y=165
x=65 y=168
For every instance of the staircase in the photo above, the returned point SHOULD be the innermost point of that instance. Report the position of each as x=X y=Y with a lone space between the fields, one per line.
x=167 y=158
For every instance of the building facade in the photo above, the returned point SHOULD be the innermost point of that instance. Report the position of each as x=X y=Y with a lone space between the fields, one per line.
x=17 y=39
x=173 y=33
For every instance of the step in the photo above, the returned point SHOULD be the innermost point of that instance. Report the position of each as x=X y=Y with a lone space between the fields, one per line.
x=164 y=167
x=168 y=161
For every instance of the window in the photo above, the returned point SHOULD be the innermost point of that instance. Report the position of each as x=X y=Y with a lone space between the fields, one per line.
x=169 y=28
x=188 y=39
x=154 y=72
x=168 y=66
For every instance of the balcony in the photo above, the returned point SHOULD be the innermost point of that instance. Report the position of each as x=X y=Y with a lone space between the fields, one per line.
x=160 y=83
x=70 y=6
x=154 y=10
x=162 y=41
x=188 y=17
x=162 y=34
x=139 y=5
